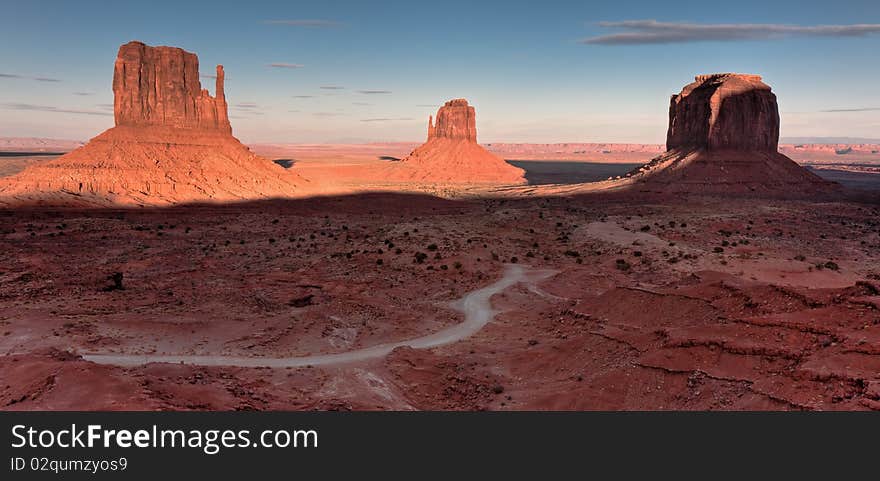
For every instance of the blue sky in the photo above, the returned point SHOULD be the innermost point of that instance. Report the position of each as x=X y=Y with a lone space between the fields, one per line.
x=522 y=64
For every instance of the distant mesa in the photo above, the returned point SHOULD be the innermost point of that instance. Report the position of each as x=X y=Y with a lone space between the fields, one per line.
x=451 y=154
x=723 y=136
x=172 y=143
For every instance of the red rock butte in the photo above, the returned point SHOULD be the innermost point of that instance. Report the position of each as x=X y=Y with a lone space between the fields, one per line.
x=160 y=86
x=451 y=154
x=723 y=136
x=172 y=143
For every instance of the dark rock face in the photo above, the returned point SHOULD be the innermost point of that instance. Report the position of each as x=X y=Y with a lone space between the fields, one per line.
x=455 y=120
x=723 y=137
x=724 y=112
x=160 y=86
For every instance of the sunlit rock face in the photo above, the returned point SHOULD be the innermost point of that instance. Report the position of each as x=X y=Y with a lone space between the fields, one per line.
x=455 y=120
x=172 y=143
x=160 y=86
x=451 y=154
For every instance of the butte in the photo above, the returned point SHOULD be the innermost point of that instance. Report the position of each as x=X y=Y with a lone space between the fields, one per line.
x=451 y=155
x=723 y=137
x=172 y=143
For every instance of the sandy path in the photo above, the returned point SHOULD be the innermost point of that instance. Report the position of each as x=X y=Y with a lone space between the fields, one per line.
x=475 y=305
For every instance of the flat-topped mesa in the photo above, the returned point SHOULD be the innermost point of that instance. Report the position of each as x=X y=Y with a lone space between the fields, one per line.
x=455 y=120
x=722 y=139
x=160 y=86
x=726 y=111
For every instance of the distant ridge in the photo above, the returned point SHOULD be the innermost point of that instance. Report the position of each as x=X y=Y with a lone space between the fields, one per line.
x=828 y=140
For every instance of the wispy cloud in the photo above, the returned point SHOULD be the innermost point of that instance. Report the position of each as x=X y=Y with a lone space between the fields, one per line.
x=250 y=108
x=374 y=92
x=331 y=87
x=83 y=94
x=47 y=108
x=208 y=76
x=38 y=79
x=303 y=96
x=386 y=120
x=641 y=32
x=286 y=65
x=361 y=103
x=327 y=114
x=862 y=109
x=425 y=105
x=305 y=23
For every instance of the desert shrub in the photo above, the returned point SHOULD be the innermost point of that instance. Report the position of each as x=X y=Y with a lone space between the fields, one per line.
x=116 y=279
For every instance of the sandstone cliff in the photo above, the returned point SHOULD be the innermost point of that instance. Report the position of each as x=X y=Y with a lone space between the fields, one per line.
x=172 y=143
x=160 y=86
x=724 y=111
x=723 y=137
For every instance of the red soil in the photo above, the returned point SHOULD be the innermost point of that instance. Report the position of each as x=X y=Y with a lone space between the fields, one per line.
x=785 y=316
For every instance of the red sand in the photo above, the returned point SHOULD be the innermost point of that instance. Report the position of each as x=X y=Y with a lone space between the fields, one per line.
x=636 y=318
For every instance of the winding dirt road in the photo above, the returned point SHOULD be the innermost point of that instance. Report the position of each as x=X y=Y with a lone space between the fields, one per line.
x=475 y=305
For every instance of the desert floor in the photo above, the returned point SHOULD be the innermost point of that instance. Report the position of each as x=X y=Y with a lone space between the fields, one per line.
x=653 y=303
